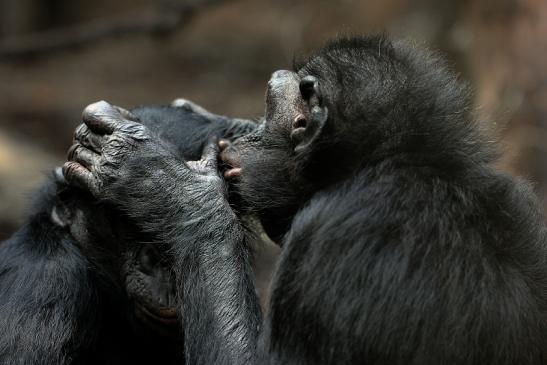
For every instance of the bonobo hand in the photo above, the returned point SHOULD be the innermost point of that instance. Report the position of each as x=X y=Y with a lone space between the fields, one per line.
x=118 y=159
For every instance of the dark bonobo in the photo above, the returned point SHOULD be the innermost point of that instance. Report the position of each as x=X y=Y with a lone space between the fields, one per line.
x=401 y=244
x=82 y=284
x=184 y=204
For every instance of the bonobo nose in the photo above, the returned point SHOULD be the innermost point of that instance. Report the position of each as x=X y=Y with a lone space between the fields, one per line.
x=279 y=79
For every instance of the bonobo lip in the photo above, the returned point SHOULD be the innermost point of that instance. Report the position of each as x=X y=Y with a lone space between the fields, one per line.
x=230 y=160
x=163 y=320
x=165 y=315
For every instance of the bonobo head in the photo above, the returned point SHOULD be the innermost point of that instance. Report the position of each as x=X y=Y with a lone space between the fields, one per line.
x=134 y=265
x=135 y=274
x=354 y=103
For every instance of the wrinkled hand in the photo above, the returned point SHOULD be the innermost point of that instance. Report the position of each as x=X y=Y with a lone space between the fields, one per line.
x=114 y=156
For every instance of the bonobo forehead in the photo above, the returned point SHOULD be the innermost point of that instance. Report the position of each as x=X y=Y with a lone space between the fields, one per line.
x=359 y=69
x=349 y=52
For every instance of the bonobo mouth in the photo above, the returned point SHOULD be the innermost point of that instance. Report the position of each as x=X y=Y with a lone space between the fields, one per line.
x=151 y=289
x=163 y=320
x=229 y=156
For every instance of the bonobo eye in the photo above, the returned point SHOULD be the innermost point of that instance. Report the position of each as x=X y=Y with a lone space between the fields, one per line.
x=149 y=258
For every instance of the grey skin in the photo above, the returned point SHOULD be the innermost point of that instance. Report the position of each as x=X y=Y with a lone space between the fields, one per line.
x=185 y=204
x=106 y=140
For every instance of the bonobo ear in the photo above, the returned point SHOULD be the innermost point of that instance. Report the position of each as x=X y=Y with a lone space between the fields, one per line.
x=305 y=129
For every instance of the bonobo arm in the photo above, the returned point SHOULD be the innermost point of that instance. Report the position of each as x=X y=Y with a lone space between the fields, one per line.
x=48 y=296
x=184 y=204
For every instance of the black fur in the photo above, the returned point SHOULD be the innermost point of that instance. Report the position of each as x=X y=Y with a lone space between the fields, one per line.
x=406 y=246
x=183 y=204
x=401 y=243
x=63 y=299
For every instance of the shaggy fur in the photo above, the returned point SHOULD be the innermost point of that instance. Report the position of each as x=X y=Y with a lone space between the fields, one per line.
x=62 y=296
x=405 y=246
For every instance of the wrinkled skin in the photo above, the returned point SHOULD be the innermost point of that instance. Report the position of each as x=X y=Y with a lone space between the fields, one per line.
x=184 y=203
x=118 y=136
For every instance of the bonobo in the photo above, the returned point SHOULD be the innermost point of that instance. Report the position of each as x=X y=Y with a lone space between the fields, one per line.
x=81 y=284
x=401 y=243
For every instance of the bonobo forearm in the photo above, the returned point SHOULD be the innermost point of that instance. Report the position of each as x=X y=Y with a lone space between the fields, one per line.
x=219 y=306
x=216 y=288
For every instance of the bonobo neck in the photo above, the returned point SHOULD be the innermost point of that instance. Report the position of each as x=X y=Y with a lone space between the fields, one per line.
x=276 y=224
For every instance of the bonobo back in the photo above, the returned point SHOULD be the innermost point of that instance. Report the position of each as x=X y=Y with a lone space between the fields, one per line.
x=401 y=243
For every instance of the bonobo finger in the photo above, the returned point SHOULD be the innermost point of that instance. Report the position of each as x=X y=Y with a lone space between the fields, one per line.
x=77 y=175
x=210 y=154
x=83 y=156
x=188 y=105
x=191 y=106
x=179 y=103
x=101 y=117
x=87 y=138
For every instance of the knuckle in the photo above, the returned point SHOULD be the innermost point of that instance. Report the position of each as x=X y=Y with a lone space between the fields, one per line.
x=81 y=131
x=72 y=151
x=69 y=170
x=117 y=143
x=137 y=131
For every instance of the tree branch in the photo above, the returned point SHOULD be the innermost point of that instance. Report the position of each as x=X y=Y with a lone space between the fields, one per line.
x=169 y=17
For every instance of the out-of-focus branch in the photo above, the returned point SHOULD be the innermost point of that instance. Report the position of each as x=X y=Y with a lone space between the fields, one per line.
x=170 y=16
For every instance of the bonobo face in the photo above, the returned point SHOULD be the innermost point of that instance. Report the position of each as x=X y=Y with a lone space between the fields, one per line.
x=151 y=288
x=323 y=123
x=264 y=166
x=116 y=246
x=144 y=274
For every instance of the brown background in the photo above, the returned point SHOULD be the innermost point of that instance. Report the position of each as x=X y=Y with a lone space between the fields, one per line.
x=56 y=56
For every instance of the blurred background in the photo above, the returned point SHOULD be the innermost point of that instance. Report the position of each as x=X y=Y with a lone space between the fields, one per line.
x=57 y=56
